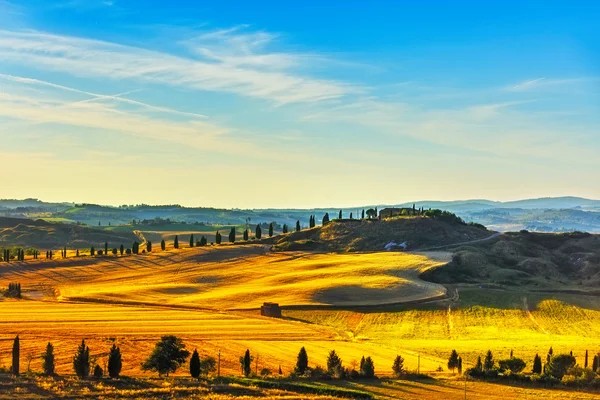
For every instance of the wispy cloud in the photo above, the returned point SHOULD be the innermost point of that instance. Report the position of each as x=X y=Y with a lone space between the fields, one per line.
x=545 y=82
x=244 y=76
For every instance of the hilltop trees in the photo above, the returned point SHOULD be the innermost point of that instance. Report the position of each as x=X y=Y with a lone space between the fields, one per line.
x=48 y=360
x=398 y=366
x=168 y=355
x=195 y=365
x=311 y=221
x=271 y=229
x=258 y=231
x=16 y=354
x=232 y=235
x=453 y=360
x=163 y=245
x=340 y=215
x=176 y=242
x=115 y=362
x=325 y=219
x=301 y=362
x=371 y=213
x=81 y=361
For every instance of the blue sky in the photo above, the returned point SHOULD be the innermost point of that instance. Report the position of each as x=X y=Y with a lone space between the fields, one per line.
x=273 y=104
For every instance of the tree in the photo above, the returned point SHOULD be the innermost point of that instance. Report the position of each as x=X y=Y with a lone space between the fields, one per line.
x=453 y=360
x=398 y=366
x=168 y=355
x=371 y=213
x=98 y=372
x=514 y=365
x=367 y=369
x=148 y=246
x=560 y=364
x=585 y=364
x=192 y=240
x=351 y=217
x=549 y=356
x=135 y=248
x=115 y=251
x=258 y=231
x=363 y=214
x=311 y=221
x=203 y=241
x=121 y=249
x=232 y=235
x=105 y=249
x=459 y=365
x=246 y=235
x=16 y=353
x=297 y=226
x=176 y=242
x=218 y=238
x=488 y=362
x=302 y=362
x=81 y=361
x=209 y=364
x=334 y=363
x=163 y=245
x=340 y=215
x=479 y=365
x=48 y=359
x=115 y=363
x=325 y=219
x=537 y=364
x=246 y=363
x=92 y=252
x=271 y=229
x=195 y=365
x=285 y=229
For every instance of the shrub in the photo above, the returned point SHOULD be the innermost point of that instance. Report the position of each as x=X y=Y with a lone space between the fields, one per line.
x=514 y=365
x=560 y=364
x=98 y=372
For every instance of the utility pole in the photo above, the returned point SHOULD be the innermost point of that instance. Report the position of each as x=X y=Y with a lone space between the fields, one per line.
x=219 y=365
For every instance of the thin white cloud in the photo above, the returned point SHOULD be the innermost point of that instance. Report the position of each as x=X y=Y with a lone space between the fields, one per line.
x=545 y=82
x=92 y=58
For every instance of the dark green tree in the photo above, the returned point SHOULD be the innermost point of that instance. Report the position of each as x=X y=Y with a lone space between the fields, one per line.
x=284 y=229
x=148 y=246
x=192 y=240
x=246 y=235
x=537 y=365
x=325 y=219
x=351 y=216
x=549 y=355
x=208 y=364
x=398 y=366
x=16 y=355
x=176 y=242
x=363 y=214
x=92 y=251
x=246 y=363
x=340 y=215
x=121 y=249
x=371 y=213
x=115 y=251
x=81 y=361
x=560 y=364
x=105 y=249
x=98 y=372
x=301 y=362
x=218 y=238
x=195 y=365
x=334 y=363
x=163 y=245
x=115 y=362
x=479 y=365
x=297 y=226
x=232 y=235
x=453 y=360
x=168 y=355
x=459 y=365
x=514 y=365
x=585 y=363
x=271 y=229
x=203 y=241
x=488 y=362
x=48 y=360
x=367 y=368
x=258 y=231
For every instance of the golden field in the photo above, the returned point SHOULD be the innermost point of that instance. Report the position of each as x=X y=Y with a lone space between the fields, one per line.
x=367 y=304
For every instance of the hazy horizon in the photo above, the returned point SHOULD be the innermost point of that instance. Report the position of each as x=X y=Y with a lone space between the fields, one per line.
x=276 y=105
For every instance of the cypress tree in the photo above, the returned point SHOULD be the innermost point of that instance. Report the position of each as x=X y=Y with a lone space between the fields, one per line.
x=297 y=226
x=271 y=229
x=195 y=365
x=398 y=366
x=77 y=253
x=537 y=364
x=285 y=229
x=453 y=360
x=351 y=216
x=48 y=360
x=92 y=251
x=325 y=219
x=192 y=240
x=246 y=235
x=368 y=368
x=302 y=362
x=363 y=214
x=16 y=353
x=98 y=372
x=488 y=363
x=459 y=365
x=585 y=364
x=105 y=249
x=340 y=215
x=115 y=363
x=258 y=231
x=203 y=241
x=176 y=242
x=148 y=246
x=247 y=363
x=81 y=361
x=232 y=235
x=218 y=238
x=163 y=246
x=479 y=365
x=362 y=364
x=121 y=249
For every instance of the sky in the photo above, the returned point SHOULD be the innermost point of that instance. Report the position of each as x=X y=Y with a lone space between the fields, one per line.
x=261 y=104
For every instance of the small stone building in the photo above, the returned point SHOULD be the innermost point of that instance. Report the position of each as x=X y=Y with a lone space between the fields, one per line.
x=270 y=310
x=395 y=212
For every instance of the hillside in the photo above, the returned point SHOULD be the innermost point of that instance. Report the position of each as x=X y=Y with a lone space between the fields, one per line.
x=374 y=235
x=561 y=261
x=45 y=235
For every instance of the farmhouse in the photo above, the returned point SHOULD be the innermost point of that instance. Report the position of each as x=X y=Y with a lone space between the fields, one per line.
x=394 y=212
x=270 y=310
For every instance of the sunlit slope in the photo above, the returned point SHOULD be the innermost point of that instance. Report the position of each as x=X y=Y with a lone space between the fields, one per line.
x=234 y=277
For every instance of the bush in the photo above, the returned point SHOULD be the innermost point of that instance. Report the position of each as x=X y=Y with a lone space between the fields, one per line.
x=514 y=365
x=128 y=251
x=491 y=374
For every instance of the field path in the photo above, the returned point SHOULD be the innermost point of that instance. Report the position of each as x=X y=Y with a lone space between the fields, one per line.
x=531 y=317
x=142 y=238
x=492 y=236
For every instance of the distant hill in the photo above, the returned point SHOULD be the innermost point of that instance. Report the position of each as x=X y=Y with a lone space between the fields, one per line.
x=44 y=235
x=374 y=235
